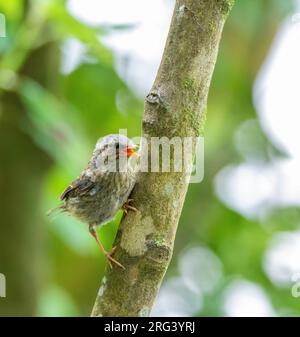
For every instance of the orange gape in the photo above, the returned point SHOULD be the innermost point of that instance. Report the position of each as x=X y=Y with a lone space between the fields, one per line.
x=130 y=151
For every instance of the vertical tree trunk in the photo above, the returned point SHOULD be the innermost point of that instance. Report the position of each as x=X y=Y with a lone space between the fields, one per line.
x=174 y=107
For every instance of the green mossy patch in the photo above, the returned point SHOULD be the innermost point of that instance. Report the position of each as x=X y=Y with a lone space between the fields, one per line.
x=226 y=6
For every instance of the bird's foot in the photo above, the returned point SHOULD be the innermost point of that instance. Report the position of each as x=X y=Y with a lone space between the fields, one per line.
x=127 y=206
x=112 y=251
x=111 y=261
x=108 y=255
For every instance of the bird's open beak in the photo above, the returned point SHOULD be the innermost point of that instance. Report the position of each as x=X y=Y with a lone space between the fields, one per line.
x=132 y=151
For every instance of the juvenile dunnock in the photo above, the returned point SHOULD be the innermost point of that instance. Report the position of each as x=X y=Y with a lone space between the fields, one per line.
x=104 y=186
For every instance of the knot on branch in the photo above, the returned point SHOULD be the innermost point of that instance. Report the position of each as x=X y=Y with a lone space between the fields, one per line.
x=155 y=97
x=157 y=253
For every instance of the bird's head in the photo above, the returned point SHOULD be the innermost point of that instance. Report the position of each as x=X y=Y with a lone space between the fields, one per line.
x=114 y=149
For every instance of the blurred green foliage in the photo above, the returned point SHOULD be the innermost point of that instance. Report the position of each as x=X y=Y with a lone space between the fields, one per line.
x=65 y=118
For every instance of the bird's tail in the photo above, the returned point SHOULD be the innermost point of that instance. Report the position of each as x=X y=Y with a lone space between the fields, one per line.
x=53 y=212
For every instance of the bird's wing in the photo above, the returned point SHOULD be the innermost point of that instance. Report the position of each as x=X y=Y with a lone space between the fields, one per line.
x=79 y=186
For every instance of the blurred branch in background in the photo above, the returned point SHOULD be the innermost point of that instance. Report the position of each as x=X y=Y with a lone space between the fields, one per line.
x=22 y=171
x=48 y=121
x=175 y=107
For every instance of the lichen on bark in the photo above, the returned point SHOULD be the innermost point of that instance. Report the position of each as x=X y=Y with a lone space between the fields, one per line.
x=175 y=107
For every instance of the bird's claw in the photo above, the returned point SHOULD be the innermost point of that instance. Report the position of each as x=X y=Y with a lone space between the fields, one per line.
x=127 y=206
x=112 y=251
x=111 y=260
x=108 y=255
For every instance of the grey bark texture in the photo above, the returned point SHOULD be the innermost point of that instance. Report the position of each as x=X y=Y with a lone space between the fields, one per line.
x=175 y=107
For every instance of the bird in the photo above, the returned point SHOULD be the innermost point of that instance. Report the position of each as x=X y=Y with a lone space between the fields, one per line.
x=104 y=186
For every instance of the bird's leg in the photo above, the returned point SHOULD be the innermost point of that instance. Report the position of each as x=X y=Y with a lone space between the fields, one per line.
x=108 y=255
x=127 y=206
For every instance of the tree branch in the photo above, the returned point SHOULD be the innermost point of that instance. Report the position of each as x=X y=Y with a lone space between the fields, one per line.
x=174 y=107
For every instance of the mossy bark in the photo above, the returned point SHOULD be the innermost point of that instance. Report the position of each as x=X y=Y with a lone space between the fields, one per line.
x=175 y=107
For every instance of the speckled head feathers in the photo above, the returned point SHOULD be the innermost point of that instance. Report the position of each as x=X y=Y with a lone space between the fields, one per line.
x=114 y=140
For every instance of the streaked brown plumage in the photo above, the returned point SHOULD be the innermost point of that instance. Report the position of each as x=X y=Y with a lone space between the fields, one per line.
x=104 y=186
